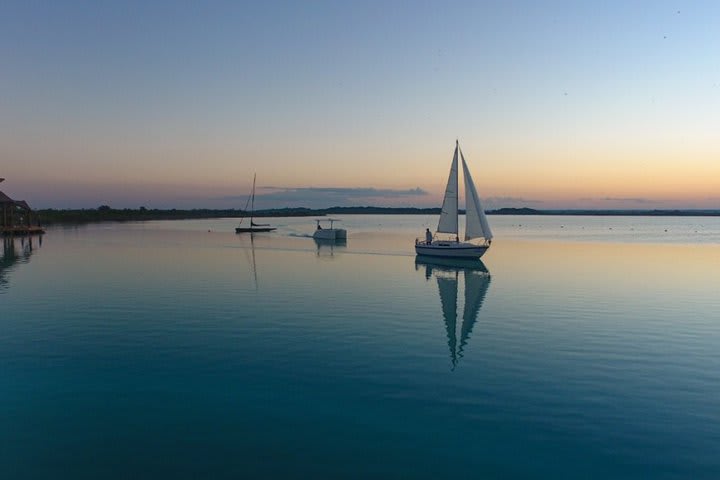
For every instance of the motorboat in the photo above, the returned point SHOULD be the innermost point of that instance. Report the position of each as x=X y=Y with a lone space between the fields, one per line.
x=329 y=232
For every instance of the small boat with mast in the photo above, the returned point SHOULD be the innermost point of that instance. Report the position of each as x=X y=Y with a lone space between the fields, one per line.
x=253 y=227
x=476 y=224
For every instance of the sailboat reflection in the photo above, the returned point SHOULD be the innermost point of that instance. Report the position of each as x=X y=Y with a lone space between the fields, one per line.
x=249 y=251
x=328 y=247
x=477 y=280
x=13 y=256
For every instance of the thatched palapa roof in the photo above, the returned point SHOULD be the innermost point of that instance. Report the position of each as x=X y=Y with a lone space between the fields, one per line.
x=4 y=200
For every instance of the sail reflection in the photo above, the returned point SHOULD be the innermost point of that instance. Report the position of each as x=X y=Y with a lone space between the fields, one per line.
x=447 y=273
x=15 y=251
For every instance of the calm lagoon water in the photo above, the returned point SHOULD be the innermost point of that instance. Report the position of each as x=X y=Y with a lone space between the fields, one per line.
x=584 y=347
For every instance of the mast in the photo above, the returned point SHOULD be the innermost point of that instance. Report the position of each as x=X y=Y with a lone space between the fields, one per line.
x=252 y=203
x=457 y=188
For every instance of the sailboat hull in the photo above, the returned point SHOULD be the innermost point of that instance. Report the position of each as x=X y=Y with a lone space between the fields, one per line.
x=254 y=229
x=451 y=249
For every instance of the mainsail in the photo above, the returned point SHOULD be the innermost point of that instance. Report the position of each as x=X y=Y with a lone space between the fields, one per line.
x=449 y=215
x=476 y=224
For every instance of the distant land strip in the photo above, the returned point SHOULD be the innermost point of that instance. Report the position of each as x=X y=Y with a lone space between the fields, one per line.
x=105 y=213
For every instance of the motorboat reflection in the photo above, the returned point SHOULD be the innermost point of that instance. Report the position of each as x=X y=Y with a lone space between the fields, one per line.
x=328 y=247
x=477 y=281
x=16 y=250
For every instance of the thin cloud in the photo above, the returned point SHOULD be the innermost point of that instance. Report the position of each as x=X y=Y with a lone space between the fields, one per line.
x=619 y=199
x=629 y=200
x=322 y=197
x=359 y=192
x=508 y=202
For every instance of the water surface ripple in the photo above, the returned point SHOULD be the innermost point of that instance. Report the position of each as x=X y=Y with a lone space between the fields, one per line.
x=183 y=350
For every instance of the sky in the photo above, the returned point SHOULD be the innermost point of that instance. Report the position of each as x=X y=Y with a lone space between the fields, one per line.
x=176 y=104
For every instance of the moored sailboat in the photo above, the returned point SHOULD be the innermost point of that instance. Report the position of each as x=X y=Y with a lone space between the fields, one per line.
x=478 y=235
x=253 y=227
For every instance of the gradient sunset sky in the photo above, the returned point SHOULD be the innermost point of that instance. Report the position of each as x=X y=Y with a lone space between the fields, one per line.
x=176 y=104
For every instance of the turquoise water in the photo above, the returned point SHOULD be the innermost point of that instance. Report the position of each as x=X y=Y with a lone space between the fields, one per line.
x=582 y=347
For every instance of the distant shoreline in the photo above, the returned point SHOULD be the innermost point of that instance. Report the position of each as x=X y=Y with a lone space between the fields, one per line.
x=610 y=213
x=108 y=214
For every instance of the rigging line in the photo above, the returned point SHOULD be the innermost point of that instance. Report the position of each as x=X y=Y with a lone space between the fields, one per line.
x=245 y=210
x=252 y=207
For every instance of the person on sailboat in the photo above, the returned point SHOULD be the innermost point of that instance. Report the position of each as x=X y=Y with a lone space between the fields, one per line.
x=476 y=224
x=428 y=236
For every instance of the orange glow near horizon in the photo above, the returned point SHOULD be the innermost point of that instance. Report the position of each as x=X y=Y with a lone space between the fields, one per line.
x=535 y=166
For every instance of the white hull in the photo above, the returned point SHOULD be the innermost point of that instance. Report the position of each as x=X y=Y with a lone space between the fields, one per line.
x=451 y=249
x=476 y=225
x=330 y=234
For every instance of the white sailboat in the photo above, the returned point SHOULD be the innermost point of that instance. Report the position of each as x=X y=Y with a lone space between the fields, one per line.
x=476 y=224
x=253 y=227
